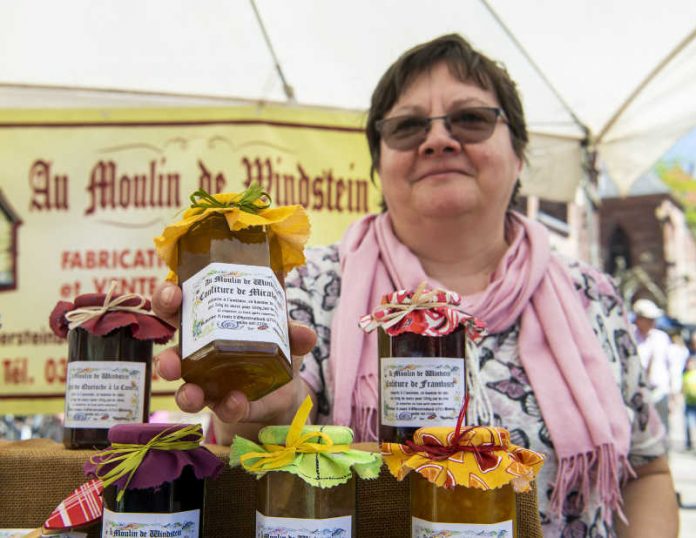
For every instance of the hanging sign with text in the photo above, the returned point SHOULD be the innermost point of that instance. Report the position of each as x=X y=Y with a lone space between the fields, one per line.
x=83 y=193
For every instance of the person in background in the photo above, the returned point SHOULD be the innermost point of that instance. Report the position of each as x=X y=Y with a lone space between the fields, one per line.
x=447 y=135
x=689 y=392
x=653 y=348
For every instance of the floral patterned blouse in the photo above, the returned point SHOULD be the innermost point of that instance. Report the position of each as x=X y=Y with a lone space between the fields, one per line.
x=314 y=291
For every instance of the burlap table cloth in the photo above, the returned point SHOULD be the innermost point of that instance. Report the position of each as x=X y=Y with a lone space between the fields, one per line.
x=36 y=475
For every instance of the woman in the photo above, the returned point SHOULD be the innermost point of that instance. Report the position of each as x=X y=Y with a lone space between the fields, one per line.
x=447 y=135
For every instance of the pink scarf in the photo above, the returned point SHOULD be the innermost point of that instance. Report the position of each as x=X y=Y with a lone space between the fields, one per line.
x=567 y=368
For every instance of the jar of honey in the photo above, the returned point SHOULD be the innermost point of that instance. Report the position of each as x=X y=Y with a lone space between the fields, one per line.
x=422 y=347
x=110 y=339
x=230 y=254
x=464 y=479
x=306 y=474
x=154 y=479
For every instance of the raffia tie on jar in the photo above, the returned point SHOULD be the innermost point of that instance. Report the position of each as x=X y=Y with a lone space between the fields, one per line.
x=320 y=455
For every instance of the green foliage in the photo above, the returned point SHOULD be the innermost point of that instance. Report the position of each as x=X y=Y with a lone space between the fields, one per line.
x=683 y=187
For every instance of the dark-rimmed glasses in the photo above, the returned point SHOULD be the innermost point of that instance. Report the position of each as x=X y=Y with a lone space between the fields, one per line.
x=467 y=125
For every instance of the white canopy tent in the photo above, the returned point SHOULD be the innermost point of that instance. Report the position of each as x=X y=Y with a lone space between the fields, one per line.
x=619 y=75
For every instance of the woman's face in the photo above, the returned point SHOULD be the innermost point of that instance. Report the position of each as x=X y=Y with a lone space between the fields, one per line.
x=443 y=178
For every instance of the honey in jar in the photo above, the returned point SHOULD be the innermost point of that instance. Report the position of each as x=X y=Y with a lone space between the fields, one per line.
x=463 y=479
x=422 y=342
x=162 y=493
x=307 y=475
x=109 y=367
x=230 y=257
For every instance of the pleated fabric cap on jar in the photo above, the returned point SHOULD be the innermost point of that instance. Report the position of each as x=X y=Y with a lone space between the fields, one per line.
x=320 y=455
x=143 y=456
x=478 y=457
x=251 y=207
x=103 y=313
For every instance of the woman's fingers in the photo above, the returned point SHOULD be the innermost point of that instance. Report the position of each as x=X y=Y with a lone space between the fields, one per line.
x=166 y=302
x=277 y=407
x=302 y=341
x=168 y=364
x=190 y=398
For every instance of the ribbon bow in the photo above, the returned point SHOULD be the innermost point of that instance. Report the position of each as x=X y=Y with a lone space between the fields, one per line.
x=78 y=316
x=252 y=200
x=389 y=313
x=438 y=452
x=279 y=456
x=128 y=457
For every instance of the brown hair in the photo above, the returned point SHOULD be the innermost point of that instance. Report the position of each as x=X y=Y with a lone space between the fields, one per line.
x=466 y=64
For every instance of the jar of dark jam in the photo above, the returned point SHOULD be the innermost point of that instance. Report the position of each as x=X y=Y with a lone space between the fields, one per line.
x=234 y=322
x=107 y=382
x=109 y=368
x=164 y=495
x=423 y=381
x=422 y=348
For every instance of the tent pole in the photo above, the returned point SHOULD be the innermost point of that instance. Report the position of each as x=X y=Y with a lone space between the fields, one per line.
x=534 y=65
x=647 y=80
x=287 y=88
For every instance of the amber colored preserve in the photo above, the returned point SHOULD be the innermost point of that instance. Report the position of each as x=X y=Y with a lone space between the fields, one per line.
x=282 y=494
x=252 y=367
x=462 y=504
x=424 y=348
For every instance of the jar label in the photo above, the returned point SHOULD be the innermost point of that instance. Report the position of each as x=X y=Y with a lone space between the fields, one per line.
x=419 y=392
x=135 y=524
x=421 y=528
x=226 y=301
x=99 y=394
x=288 y=527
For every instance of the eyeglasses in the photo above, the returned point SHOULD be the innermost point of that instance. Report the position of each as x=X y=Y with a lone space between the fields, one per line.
x=466 y=125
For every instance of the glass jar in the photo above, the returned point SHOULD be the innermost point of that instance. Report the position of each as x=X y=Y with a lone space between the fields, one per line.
x=422 y=381
x=460 y=509
x=154 y=480
x=288 y=505
x=178 y=503
x=107 y=383
x=234 y=329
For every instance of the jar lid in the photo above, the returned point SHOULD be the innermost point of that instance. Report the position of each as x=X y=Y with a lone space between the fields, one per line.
x=251 y=207
x=103 y=313
x=480 y=457
x=320 y=455
x=148 y=455
x=428 y=312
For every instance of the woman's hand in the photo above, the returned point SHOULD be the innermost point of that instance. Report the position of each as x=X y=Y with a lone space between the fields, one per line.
x=275 y=408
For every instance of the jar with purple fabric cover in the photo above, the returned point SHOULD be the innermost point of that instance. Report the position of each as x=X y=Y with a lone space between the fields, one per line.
x=423 y=341
x=110 y=339
x=154 y=479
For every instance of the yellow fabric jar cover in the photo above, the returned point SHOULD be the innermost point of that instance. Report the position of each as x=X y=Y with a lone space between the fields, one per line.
x=477 y=457
x=289 y=224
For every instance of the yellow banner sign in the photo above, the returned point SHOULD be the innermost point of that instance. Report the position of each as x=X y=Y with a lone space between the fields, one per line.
x=83 y=193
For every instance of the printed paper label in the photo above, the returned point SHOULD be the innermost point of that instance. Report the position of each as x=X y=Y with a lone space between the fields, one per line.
x=421 y=392
x=421 y=528
x=99 y=394
x=179 y=524
x=286 y=527
x=227 y=301
x=20 y=533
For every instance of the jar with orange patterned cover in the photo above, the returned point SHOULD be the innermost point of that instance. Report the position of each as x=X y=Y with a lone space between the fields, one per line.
x=464 y=479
